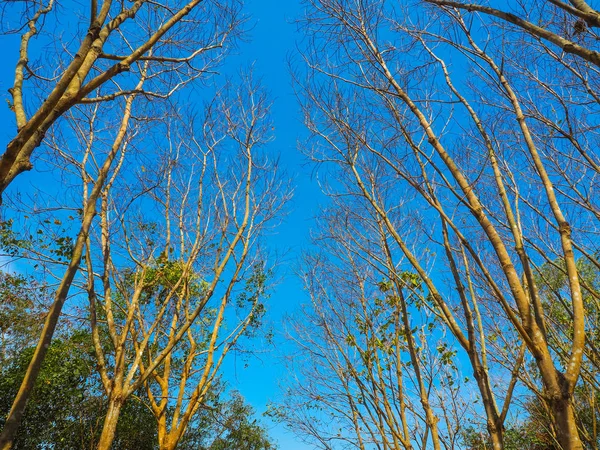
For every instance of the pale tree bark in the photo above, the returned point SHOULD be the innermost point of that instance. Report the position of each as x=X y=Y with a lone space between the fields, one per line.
x=91 y=69
x=89 y=211
x=168 y=299
x=376 y=116
x=205 y=49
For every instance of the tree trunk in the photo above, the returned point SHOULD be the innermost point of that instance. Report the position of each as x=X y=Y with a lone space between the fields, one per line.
x=167 y=445
x=559 y=392
x=170 y=442
x=163 y=432
x=172 y=438
x=110 y=424
x=566 y=426
x=496 y=436
x=13 y=421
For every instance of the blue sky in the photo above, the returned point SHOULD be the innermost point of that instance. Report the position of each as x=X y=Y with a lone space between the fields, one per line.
x=271 y=41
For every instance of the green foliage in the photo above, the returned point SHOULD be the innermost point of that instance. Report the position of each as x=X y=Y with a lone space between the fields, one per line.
x=49 y=238
x=447 y=354
x=253 y=294
x=226 y=426
x=21 y=315
x=10 y=242
x=160 y=278
x=66 y=409
x=516 y=437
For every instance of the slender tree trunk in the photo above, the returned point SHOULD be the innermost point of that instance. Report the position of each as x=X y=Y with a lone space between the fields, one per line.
x=168 y=445
x=110 y=423
x=13 y=421
x=163 y=434
x=496 y=436
x=566 y=426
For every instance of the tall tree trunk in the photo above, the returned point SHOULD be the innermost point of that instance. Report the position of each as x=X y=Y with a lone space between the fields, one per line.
x=566 y=426
x=163 y=433
x=13 y=421
x=109 y=428
x=496 y=436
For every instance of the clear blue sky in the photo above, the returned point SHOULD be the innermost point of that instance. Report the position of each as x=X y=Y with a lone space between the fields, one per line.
x=272 y=41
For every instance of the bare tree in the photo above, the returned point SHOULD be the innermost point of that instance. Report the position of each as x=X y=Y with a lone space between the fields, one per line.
x=381 y=331
x=177 y=244
x=157 y=68
x=570 y=27
x=91 y=197
x=95 y=59
x=179 y=387
x=496 y=184
x=367 y=377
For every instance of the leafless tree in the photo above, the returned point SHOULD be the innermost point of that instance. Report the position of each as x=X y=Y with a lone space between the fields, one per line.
x=92 y=55
x=178 y=257
x=366 y=375
x=379 y=335
x=171 y=53
x=496 y=182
